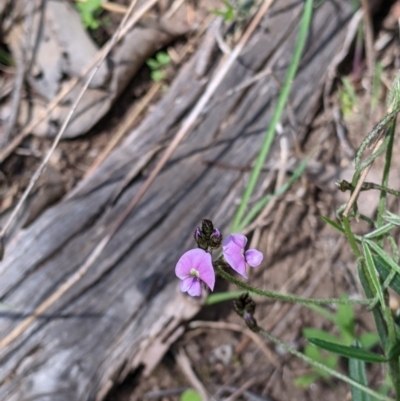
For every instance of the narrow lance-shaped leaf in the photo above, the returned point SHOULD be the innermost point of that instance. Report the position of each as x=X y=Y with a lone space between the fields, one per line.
x=348 y=352
x=357 y=373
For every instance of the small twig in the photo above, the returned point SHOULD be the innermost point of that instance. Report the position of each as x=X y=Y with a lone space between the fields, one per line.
x=369 y=39
x=240 y=329
x=19 y=329
x=126 y=124
x=4 y=154
x=137 y=109
x=122 y=30
x=114 y=7
x=242 y=389
x=197 y=110
x=187 y=125
x=184 y=363
x=238 y=88
x=361 y=180
x=174 y=8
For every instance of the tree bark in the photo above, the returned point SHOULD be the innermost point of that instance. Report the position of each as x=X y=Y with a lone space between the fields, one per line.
x=127 y=308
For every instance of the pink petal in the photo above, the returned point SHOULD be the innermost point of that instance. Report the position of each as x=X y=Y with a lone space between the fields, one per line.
x=208 y=277
x=235 y=241
x=188 y=261
x=206 y=270
x=195 y=289
x=253 y=257
x=192 y=286
x=236 y=261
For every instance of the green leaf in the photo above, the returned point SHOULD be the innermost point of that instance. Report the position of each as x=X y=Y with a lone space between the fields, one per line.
x=223 y=296
x=393 y=99
x=315 y=354
x=348 y=352
x=190 y=395
x=157 y=75
x=379 y=231
x=370 y=264
x=88 y=11
x=348 y=97
x=153 y=64
x=376 y=311
x=394 y=351
x=228 y=14
x=391 y=218
x=5 y=58
x=163 y=58
x=305 y=381
x=276 y=117
x=384 y=270
x=323 y=312
x=333 y=224
x=384 y=265
x=297 y=173
x=369 y=340
x=345 y=321
x=357 y=372
x=310 y=332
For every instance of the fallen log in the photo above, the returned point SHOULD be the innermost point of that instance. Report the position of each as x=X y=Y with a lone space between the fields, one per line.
x=127 y=309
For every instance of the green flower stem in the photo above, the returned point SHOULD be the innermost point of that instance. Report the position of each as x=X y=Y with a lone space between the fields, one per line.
x=350 y=237
x=322 y=367
x=385 y=177
x=280 y=191
x=286 y=297
x=278 y=111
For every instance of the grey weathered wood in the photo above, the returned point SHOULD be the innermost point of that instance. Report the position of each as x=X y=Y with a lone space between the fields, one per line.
x=101 y=328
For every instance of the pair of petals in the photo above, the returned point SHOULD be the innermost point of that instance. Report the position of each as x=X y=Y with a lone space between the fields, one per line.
x=235 y=255
x=193 y=268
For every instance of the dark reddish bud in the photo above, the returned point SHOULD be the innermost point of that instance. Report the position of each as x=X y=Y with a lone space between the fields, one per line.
x=207 y=228
x=215 y=239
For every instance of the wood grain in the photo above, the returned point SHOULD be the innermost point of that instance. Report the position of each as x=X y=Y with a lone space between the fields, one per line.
x=123 y=312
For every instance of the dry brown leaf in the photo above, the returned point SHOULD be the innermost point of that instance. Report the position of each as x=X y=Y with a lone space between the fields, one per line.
x=64 y=49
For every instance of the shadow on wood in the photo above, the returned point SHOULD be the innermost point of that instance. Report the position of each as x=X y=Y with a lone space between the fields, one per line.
x=127 y=309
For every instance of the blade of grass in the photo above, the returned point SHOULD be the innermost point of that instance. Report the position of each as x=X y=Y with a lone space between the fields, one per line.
x=369 y=263
x=280 y=105
x=264 y=201
x=357 y=372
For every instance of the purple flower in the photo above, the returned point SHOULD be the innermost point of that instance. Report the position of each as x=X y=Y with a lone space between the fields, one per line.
x=193 y=267
x=235 y=255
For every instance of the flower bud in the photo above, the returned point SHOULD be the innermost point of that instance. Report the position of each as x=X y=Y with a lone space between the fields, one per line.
x=245 y=307
x=215 y=239
x=207 y=228
x=201 y=239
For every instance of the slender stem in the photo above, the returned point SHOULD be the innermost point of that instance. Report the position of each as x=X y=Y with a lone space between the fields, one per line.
x=278 y=111
x=287 y=297
x=350 y=237
x=386 y=171
x=320 y=366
